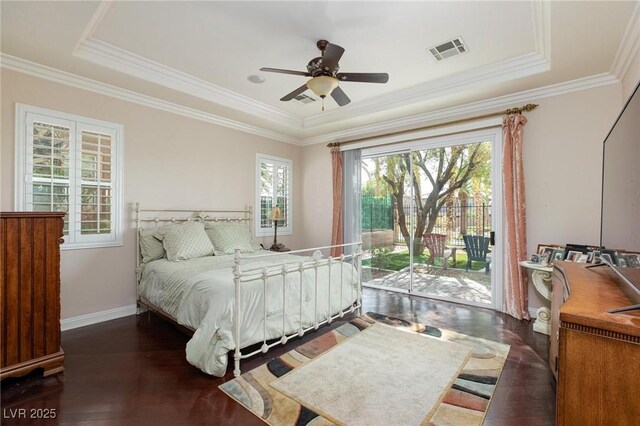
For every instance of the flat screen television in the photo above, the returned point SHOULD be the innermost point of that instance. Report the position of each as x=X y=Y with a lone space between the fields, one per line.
x=620 y=214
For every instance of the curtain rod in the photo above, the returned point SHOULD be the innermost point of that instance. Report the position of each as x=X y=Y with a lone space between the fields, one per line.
x=527 y=107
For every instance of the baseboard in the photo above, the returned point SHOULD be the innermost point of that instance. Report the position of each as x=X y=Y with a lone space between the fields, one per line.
x=97 y=317
x=533 y=312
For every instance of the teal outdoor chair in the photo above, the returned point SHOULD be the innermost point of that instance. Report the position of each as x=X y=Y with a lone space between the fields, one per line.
x=477 y=248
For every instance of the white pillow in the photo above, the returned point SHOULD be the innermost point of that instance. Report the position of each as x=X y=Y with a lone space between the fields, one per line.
x=185 y=241
x=151 y=248
x=227 y=237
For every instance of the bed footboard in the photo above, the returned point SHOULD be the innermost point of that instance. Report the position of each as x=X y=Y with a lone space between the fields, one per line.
x=352 y=260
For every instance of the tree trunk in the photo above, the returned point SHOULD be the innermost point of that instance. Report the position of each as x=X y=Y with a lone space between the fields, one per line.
x=402 y=217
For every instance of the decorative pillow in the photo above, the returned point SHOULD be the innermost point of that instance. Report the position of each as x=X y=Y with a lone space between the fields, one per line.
x=185 y=241
x=227 y=237
x=151 y=248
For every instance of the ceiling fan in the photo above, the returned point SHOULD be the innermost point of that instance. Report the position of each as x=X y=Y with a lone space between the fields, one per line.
x=325 y=77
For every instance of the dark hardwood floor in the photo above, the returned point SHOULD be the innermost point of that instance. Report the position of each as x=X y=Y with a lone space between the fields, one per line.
x=133 y=371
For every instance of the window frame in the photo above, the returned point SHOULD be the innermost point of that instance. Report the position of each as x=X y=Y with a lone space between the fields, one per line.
x=282 y=230
x=75 y=239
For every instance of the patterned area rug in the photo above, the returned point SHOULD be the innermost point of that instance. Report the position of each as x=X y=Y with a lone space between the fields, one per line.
x=292 y=389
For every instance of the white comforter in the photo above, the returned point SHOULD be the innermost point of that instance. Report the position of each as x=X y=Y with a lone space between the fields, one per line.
x=200 y=293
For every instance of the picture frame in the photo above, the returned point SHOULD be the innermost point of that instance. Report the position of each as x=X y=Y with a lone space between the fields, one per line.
x=633 y=260
x=546 y=251
x=558 y=254
x=573 y=255
x=593 y=255
x=621 y=261
x=607 y=257
x=534 y=258
x=569 y=248
x=582 y=258
x=541 y=248
x=545 y=257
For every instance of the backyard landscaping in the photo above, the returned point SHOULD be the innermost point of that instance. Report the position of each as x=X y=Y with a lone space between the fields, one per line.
x=398 y=260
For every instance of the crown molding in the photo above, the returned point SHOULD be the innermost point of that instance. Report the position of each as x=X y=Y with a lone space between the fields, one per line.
x=629 y=46
x=541 y=13
x=62 y=77
x=58 y=76
x=95 y=21
x=433 y=117
x=115 y=58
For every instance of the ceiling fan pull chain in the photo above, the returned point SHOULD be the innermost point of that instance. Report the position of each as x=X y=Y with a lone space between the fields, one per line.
x=323 y=104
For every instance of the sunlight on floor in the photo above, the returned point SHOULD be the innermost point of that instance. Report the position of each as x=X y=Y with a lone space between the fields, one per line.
x=470 y=286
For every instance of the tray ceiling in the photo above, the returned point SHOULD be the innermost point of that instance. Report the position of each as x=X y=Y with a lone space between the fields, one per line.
x=199 y=54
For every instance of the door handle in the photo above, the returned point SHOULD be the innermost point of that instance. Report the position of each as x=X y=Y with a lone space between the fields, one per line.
x=492 y=238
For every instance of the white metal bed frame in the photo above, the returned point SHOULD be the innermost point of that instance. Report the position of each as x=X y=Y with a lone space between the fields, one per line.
x=241 y=275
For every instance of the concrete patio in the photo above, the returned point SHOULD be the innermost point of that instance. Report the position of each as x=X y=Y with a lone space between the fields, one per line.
x=470 y=286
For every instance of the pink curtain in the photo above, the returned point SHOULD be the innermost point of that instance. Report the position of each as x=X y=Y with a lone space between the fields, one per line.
x=515 y=239
x=336 y=233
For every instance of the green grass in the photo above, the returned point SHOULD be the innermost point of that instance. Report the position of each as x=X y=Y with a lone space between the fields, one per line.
x=399 y=260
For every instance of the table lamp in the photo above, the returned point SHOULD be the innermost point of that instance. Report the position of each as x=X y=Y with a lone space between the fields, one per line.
x=275 y=216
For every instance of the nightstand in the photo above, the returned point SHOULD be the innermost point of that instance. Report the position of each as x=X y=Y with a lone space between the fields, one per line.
x=280 y=250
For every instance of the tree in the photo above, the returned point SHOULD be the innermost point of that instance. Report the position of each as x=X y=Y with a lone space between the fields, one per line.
x=437 y=174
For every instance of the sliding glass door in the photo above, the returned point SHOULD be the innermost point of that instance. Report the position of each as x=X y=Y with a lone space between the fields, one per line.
x=452 y=204
x=428 y=213
x=386 y=187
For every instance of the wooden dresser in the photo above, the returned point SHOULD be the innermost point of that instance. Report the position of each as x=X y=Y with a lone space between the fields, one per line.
x=30 y=292
x=598 y=354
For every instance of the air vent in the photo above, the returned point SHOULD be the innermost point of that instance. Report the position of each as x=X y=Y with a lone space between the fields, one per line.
x=304 y=99
x=448 y=49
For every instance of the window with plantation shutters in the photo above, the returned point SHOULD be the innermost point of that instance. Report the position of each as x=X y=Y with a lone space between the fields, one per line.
x=71 y=164
x=273 y=188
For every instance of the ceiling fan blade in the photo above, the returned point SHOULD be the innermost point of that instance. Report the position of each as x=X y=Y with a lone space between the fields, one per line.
x=294 y=93
x=331 y=56
x=302 y=73
x=363 y=77
x=340 y=97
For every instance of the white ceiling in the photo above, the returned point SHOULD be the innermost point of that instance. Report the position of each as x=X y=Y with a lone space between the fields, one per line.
x=197 y=55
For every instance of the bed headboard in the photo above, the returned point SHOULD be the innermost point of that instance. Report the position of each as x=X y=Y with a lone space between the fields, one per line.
x=147 y=218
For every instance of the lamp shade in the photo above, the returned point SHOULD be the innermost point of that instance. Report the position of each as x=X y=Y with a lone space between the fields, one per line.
x=276 y=214
x=322 y=85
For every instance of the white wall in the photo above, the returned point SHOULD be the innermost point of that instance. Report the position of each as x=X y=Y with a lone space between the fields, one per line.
x=169 y=161
x=562 y=161
x=317 y=195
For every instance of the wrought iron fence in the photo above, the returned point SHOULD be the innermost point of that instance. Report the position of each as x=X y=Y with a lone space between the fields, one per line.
x=380 y=213
x=456 y=221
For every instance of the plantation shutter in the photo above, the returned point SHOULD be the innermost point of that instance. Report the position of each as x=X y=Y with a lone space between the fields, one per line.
x=94 y=206
x=48 y=171
x=66 y=164
x=275 y=189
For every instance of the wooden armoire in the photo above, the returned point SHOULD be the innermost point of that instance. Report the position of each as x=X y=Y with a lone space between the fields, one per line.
x=30 y=292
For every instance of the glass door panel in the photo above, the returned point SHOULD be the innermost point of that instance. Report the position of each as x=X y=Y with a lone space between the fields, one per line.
x=452 y=194
x=385 y=191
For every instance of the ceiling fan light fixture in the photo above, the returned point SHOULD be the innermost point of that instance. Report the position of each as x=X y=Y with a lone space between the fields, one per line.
x=322 y=85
